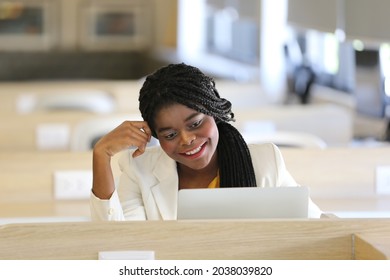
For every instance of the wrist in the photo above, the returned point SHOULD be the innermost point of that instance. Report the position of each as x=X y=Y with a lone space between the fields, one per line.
x=102 y=152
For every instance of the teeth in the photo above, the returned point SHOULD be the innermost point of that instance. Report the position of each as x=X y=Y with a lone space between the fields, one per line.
x=194 y=151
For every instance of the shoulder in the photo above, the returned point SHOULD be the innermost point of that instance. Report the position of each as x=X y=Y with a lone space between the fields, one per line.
x=266 y=155
x=263 y=149
x=269 y=166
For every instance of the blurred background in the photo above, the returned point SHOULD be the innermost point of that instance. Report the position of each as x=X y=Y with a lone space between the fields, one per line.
x=294 y=51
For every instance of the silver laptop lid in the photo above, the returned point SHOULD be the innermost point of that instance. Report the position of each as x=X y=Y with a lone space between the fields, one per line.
x=243 y=203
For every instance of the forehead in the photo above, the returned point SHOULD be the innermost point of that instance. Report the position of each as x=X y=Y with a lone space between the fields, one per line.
x=173 y=114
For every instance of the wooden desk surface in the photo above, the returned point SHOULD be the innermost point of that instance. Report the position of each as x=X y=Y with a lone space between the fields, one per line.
x=251 y=239
x=29 y=176
x=27 y=184
x=337 y=172
x=369 y=246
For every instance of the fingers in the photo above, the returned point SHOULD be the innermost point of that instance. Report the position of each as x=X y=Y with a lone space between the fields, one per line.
x=140 y=136
x=137 y=153
x=140 y=131
x=128 y=134
x=143 y=128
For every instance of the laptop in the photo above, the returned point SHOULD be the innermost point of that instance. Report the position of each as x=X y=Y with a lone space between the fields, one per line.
x=243 y=203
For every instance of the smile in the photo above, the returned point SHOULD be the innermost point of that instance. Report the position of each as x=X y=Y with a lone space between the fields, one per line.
x=194 y=151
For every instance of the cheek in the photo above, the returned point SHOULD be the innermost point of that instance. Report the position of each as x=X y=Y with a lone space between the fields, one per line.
x=211 y=131
x=167 y=147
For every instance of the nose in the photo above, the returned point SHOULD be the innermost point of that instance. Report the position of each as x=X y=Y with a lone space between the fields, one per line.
x=187 y=138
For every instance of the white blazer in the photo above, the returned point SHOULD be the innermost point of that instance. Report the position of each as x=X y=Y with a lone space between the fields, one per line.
x=148 y=186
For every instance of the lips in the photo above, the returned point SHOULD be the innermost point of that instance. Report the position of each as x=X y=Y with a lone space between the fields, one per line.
x=194 y=151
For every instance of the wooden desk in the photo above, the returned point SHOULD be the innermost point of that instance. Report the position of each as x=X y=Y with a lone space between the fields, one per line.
x=327 y=239
x=27 y=183
x=28 y=176
x=340 y=179
x=369 y=246
x=337 y=171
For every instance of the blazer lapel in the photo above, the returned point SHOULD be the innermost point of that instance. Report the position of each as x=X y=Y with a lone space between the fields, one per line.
x=165 y=191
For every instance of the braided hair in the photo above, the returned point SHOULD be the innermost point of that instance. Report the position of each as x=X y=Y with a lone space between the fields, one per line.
x=187 y=85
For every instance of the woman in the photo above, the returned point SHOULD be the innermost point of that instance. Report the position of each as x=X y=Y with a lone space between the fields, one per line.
x=198 y=149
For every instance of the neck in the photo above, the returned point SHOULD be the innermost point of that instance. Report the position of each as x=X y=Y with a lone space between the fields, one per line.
x=197 y=178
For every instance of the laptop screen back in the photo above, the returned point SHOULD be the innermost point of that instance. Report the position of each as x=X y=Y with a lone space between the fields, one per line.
x=243 y=203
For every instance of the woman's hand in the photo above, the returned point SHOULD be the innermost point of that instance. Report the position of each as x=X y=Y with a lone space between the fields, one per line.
x=128 y=134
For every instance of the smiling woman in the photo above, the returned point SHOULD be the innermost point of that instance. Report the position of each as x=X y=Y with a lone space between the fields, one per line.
x=199 y=148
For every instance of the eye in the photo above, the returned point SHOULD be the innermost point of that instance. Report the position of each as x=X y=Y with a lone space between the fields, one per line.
x=196 y=123
x=170 y=136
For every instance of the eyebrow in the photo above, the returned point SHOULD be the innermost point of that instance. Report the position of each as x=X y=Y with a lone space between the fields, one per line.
x=186 y=120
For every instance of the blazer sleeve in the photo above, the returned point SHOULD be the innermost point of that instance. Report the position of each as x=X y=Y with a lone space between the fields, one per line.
x=125 y=202
x=129 y=192
x=106 y=209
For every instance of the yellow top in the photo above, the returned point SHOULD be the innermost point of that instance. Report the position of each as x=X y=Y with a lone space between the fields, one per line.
x=214 y=183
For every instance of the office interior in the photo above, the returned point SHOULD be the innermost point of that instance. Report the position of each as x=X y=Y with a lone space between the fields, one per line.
x=310 y=76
